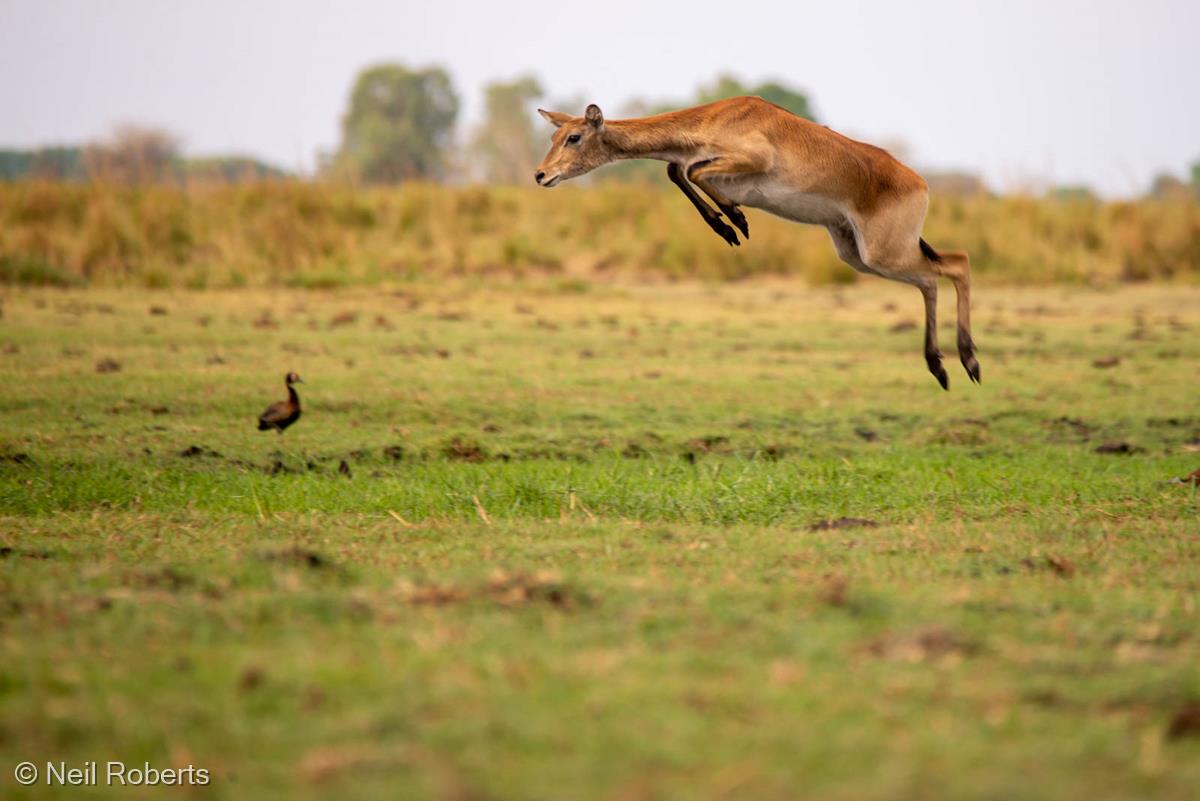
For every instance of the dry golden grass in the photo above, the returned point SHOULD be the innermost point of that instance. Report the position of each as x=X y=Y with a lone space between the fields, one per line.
x=319 y=236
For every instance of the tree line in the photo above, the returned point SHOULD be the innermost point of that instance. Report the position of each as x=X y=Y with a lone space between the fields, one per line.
x=401 y=124
x=133 y=155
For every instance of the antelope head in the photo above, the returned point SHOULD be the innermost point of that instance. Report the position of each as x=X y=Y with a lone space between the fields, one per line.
x=577 y=147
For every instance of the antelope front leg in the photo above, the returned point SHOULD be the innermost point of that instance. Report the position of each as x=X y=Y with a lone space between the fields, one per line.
x=710 y=215
x=701 y=174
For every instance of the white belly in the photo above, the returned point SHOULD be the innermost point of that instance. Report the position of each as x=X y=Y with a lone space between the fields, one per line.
x=784 y=201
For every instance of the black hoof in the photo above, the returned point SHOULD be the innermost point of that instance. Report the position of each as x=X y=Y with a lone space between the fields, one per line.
x=934 y=360
x=971 y=365
x=725 y=232
x=966 y=354
x=738 y=219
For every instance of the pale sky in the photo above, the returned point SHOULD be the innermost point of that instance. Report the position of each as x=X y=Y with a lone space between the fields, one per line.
x=1023 y=91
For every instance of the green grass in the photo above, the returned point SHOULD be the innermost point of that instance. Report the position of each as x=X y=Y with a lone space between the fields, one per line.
x=575 y=555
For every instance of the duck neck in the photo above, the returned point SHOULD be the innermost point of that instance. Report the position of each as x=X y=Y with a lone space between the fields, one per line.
x=292 y=396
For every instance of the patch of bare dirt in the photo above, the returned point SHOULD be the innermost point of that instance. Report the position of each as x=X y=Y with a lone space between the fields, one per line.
x=774 y=451
x=297 y=555
x=1170 y=422
x=434 y=594
x=712 y=443
x=835 y=590
x=108 y=366
x=931 y=643
x=521 y=589
x=7 y=551
x=163 y=578
x=1074 y=425
x=1185 y=722
x=1118 y=447
x=461 y=449
x=633 y=450
x=1060 y=566
x=866 y=434
x=193 y=451
x=251 y=678
x=506 y=588
x=265 y=321
x=842 y=522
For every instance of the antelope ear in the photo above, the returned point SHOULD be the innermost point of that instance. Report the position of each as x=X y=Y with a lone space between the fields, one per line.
x=594 y=116
x=555 y=118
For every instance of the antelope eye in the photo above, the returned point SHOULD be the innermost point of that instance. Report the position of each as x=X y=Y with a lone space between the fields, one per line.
x=572 y=139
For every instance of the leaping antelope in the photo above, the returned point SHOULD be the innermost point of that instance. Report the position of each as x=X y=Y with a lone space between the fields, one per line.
x=747 y=152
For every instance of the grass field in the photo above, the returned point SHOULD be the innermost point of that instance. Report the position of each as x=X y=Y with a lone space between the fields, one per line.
x=568 y=540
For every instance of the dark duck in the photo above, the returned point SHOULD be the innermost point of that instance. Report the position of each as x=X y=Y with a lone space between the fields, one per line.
x=280 y=415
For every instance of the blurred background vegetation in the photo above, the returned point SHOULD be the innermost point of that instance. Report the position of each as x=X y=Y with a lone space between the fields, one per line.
x=408 y=193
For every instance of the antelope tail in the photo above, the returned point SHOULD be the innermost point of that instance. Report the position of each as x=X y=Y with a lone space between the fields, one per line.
x=930 y=253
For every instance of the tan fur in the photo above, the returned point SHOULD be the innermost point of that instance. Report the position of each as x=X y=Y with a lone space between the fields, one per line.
x=747 y=152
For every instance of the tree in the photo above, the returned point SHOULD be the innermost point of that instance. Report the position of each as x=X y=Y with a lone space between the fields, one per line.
x=229 y=169
x=953 y=183
x=59 y=163
x=1073 y=193
x=134 y=155
x=506 y=144
x=1167 y=187
x=15 y=164
x=399 y=124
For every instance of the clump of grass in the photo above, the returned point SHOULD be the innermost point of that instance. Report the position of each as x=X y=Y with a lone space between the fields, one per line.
x=29 y=271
